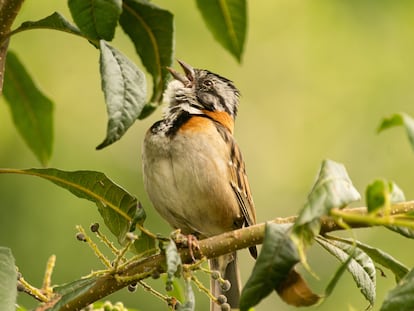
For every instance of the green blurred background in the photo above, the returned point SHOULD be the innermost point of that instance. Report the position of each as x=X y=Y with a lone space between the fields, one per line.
x=316 y=79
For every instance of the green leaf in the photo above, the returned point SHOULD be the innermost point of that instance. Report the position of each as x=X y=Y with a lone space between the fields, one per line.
x=378 y=195
x=380 y=257
x=391 y=193
x=116 y=206
x=333 y=189
x=31 y=110
x=338 y=274
x=173 y=263
x=54 y=21
x=125 y=90
x=361 y=266
x=70 y=291
x=401 y=298
x=227 y=21
x=97 y=19
x=189 y=304
x=177 y=290
x=381 y=193
x=277 y=258
x=399 y=119
x=151 y=30
x=404 y=231
x=145 y=244
x=8 y=280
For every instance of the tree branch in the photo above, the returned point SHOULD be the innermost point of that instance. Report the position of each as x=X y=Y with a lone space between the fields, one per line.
x=8 y=13
x=210 y=248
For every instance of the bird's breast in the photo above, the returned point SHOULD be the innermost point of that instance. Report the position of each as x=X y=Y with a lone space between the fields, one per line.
x=187 y=178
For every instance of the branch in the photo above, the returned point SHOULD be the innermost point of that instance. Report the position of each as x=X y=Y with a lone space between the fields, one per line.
x=213 y=247
x=8 y=12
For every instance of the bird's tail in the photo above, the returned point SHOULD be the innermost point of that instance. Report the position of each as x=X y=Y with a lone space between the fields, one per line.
x=227 y=266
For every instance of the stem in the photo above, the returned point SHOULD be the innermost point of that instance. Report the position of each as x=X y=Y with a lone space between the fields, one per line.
x=47 y=279
x=95 y=248
x=372 y=220
x=203 y=288
x=8 y=13
x=153 y=291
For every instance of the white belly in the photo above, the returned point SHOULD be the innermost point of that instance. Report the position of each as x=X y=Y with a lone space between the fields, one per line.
x=188 y=183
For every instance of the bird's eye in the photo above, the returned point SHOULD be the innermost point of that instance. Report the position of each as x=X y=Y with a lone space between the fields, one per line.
x=208 y=83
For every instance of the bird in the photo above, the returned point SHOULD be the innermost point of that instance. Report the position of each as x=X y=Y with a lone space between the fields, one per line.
x=193 y=169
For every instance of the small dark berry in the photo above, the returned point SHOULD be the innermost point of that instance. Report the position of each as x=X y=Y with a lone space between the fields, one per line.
x=221 y=299
x=168 y=287
x=155 y=275
x=215 y=275
x=225 y=286
x=225 y=307
x=132 y=287
x=20 y=287
x=81 y=237
x=95 y=227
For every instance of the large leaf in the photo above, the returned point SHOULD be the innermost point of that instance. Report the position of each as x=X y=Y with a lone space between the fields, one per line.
x=125 y=90
x=227 y=21
x=117 y=207
x=8 y=280
x=151 y=30
x=97 y=19
x=399 y=119
x=30 y=108
x=360 y=266
x=401 y=298
x=70 y=291
x=380 y=257
x=333 y=189
x=54 y=21
x=274 y=266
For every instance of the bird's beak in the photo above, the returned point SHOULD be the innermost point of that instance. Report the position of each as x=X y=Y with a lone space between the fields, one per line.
x=186 y=79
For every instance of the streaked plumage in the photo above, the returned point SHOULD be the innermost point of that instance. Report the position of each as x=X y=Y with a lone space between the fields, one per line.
x=193 y=168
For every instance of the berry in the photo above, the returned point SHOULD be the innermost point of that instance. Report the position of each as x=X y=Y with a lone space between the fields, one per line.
x=168 y=287
x=215 y=275
x=132 y=287
x=155 y=275
x=95 y=227
x=225 y=285
x=221 y=299
x=20 y=287
x=81 y=237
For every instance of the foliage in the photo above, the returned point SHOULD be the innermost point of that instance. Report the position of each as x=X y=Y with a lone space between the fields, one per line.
x=151 y=30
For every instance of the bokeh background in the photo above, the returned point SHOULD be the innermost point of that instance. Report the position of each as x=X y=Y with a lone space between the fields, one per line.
x=316 y=79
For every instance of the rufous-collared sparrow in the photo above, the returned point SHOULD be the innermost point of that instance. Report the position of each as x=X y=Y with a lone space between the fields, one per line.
x=193 y=169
